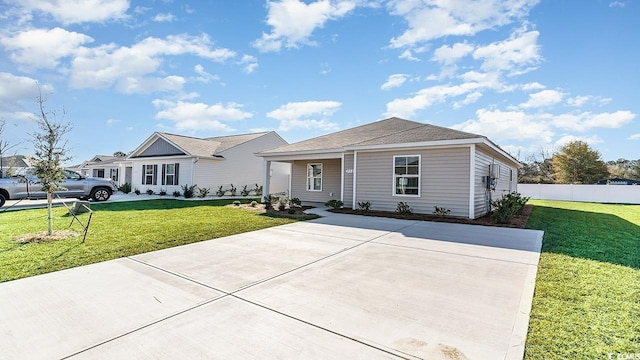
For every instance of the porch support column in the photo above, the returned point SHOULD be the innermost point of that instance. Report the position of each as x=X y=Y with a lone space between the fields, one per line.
x=266 y=178
x=355 y=179
x=472 y=181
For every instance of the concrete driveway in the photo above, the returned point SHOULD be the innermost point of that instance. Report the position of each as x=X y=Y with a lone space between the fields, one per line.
x=337 y=287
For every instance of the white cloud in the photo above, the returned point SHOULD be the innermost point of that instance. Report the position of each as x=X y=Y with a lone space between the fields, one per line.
x=509 y=125
x=587 y=121
x=102 y=66
x=147 y=85
x=293 y=21
x=543 y=98
x=306 y=115
x=619 y=4
x=77 y=11
x=451 y=54
x=394 y=81
x=580 y=101
x=516 y=55
x=634 y=137
x=469 y=99
x=43 y=48
x=111 y=122
x=204 y=77
x=200 y=116
x=564 y=140
x=22 y=89
x=533 y=86
x=162 y=17
x=407 y=54
x=249 y=63
x=431 y=19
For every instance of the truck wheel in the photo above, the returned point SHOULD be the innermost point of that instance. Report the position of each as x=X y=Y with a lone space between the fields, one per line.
x=2 y=200
x=100 y=194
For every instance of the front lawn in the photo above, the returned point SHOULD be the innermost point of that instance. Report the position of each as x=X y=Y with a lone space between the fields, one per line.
x=117 y=230
x=587 y=298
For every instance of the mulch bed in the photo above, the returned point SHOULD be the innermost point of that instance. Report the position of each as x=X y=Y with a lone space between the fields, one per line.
x=519 y=221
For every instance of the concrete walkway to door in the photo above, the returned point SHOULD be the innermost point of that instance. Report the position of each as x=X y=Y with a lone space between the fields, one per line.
x=338 y=287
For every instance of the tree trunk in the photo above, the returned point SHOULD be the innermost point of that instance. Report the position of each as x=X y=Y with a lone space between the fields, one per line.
x=50 y=218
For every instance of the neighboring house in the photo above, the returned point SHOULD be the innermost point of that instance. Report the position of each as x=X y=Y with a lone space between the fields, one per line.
x=167 y=161
x=116 y=168
x=13 y=163
x=396 y=160
x=618 y=181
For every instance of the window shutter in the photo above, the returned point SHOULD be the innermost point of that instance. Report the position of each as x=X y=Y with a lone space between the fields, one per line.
x=155 y=174
x=164 y=173
x=176 y=169
x=144 y=170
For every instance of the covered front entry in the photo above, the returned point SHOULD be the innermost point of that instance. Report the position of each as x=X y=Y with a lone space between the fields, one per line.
x=315 y=179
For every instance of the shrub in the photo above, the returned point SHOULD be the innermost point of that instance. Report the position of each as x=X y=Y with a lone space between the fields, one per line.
x=364 y=206
x=268 y=204
x=295 y=201
x=258 y=190
x=509 y=205
x=220 y=191
x=244 y=191
x=177 y=193
x=232 y=190
x=254 y=203
x=203 y=192
x=236 y=203
x=163 y=192
x=149 y=192
x=403 y=208
x=336 y=204
x=189 y=191
x=136 y=191
x=125 y=188
x=291 y=211
x=282 y=207
x=440 y=211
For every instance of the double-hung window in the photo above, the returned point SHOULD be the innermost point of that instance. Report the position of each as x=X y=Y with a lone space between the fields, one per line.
x=314 y=177
x=170 y=174
x=406 y=175
x=113 y=174
x=149 y=173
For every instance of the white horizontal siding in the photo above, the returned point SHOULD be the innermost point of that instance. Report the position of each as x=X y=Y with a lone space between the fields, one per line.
x=331 y=170
x=444 y=181
x=184 y=175
x=240 y=166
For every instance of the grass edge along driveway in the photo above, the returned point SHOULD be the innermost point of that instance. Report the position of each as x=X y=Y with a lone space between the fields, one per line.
x=118 y=230
x=587 y=297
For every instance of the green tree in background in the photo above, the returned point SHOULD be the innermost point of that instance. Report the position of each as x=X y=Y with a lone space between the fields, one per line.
x=577 y=163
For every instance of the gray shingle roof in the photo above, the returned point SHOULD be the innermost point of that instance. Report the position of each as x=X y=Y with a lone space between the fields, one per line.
x=384 y=132
x=209 y=146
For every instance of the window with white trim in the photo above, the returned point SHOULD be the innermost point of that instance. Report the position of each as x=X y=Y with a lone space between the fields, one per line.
x=170 y=174
x=314 y=177
x=149 y=174
x=113 y=174
x=406 y=175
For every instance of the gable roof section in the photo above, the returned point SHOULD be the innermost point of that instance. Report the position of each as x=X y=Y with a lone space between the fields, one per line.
x=191 y=146
x=384 y=132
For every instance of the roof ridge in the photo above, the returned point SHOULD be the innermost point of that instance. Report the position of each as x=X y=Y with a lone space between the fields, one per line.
x=392 y=133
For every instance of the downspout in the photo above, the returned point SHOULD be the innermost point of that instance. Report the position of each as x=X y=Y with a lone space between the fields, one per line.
x=342 y=178
x=472 y=183
x=193 y=169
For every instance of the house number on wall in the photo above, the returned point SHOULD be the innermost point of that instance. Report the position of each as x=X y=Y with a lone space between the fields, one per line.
x=349 y=171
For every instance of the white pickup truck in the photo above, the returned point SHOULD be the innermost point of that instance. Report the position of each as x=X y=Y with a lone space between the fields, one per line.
x=27 y=186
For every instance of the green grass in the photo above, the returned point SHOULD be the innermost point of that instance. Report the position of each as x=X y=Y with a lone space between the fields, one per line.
x=587 y=298
x=117 y=230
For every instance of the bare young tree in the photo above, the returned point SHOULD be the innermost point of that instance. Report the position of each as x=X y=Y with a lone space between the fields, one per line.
x=50 y=150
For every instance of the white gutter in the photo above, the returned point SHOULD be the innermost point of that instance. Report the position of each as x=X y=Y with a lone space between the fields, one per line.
x=472 y=183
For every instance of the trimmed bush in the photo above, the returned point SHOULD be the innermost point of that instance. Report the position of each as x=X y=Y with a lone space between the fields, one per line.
x=508 y=206
x=188 y=191
x=403 y=208
x=336 y=204
x=125 y=188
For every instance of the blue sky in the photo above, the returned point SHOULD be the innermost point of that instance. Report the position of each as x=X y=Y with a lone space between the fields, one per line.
x=528 y=74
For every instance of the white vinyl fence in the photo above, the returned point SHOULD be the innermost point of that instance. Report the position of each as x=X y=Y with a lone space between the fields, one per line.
x=616 y=194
